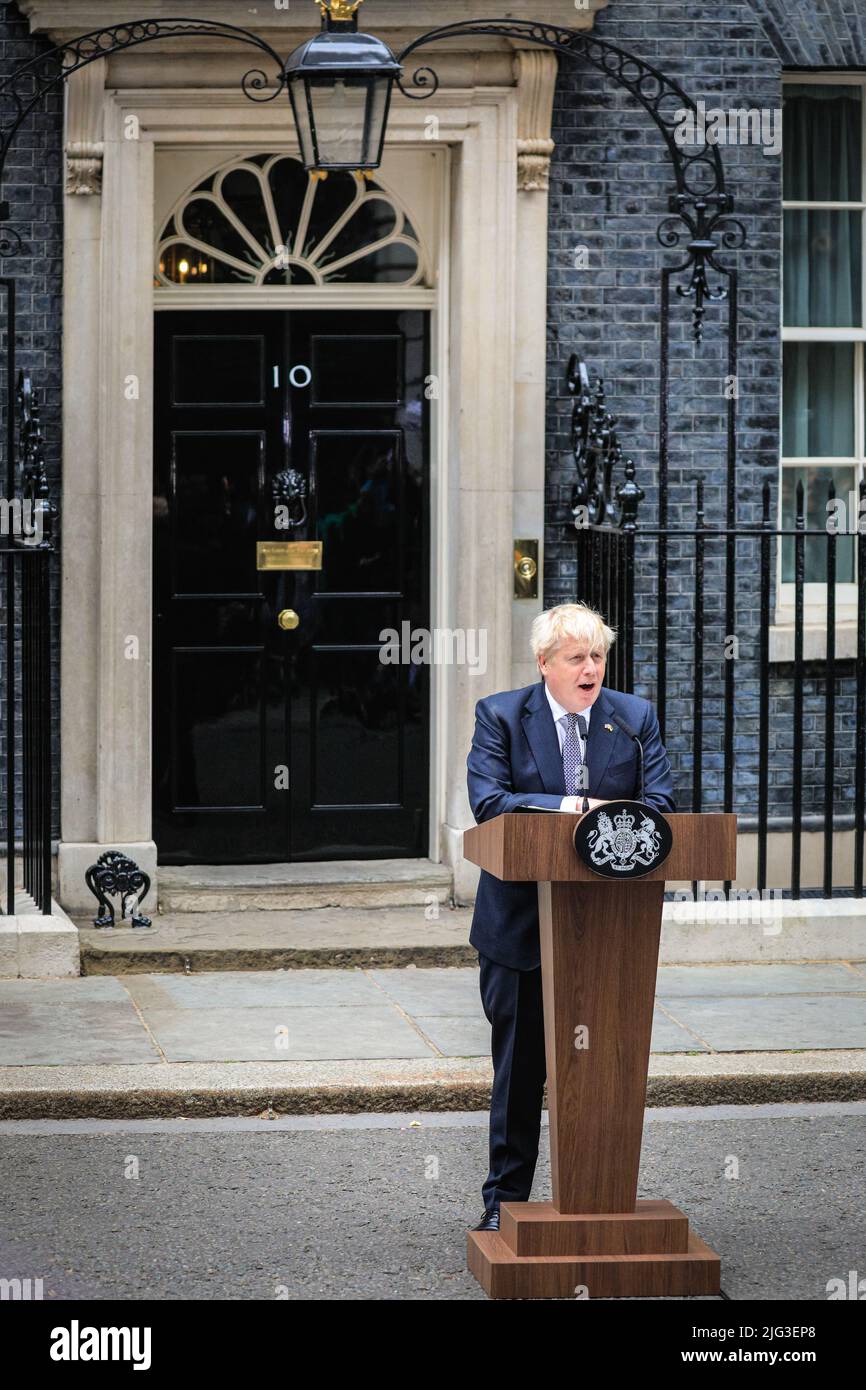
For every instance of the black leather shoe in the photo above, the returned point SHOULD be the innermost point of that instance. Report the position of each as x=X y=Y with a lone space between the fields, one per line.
x=490 y=1220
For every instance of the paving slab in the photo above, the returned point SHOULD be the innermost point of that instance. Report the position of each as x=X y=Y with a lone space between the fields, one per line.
x=678 y=981
x=61 y=991
x=108 y=1033
x=458 y=1036
x=262 y=1034
x=56 y=1022
x=449 y=991
x=670 y=1036
x=241 y=989
x=775 y=1023
x=171 y=1044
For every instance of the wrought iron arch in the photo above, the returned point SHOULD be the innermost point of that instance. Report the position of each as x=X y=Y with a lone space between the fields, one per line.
x=23 y=89
x=647 y=84
x=700 y=207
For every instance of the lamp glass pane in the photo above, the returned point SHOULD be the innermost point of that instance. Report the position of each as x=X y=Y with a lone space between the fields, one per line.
x=348 y=120
x=376 y=116
x=301 y=113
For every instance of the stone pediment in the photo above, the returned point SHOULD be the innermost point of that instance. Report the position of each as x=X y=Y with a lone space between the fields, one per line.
x=396 y=21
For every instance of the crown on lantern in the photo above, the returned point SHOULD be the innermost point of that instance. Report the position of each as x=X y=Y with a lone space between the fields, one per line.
x=338 y=9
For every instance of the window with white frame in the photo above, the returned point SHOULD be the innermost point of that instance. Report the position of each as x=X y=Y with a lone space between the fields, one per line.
x=822 y=318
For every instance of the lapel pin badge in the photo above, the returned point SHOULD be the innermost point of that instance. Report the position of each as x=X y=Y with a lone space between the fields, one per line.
x=609 y=728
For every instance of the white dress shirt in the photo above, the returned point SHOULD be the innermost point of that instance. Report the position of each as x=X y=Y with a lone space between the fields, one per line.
x=560 y=719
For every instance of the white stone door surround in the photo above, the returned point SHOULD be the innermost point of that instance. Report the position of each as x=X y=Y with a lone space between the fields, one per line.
x=491 y=117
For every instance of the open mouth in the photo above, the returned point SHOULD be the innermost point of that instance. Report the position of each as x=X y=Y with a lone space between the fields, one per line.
x=587 y=685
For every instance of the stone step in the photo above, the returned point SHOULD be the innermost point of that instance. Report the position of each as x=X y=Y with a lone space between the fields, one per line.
x=34 y=945
x=320 y=938
x=368 y=883
x=268 y=1090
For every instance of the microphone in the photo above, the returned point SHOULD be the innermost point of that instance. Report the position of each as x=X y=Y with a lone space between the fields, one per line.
x=617 y=719
x=584 y=733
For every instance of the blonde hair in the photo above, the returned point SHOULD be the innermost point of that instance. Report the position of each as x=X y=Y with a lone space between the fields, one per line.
x=569 y=620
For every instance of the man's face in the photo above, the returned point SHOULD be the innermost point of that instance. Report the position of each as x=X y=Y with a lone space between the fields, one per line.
x=573 y=673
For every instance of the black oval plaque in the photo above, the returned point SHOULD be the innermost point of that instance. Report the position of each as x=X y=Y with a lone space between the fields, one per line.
x=623 y=839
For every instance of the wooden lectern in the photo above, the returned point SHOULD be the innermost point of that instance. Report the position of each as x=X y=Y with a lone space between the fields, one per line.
x=599 y=954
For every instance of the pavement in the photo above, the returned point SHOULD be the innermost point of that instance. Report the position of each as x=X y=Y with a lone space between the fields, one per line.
x=328 y=1040
x=245 y=1209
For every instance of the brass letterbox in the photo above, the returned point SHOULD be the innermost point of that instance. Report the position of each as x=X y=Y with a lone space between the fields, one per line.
x=289 y=555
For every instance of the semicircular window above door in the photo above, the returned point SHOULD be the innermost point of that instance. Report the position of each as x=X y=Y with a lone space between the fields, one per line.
x=263 y=220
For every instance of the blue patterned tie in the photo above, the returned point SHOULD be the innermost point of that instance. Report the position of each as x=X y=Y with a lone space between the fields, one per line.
x=572 y=758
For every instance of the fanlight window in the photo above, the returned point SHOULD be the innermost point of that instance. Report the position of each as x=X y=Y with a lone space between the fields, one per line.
x=265 y=221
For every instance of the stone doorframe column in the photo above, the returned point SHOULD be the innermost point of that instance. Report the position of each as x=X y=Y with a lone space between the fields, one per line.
x=488 y=351
x=514 y=508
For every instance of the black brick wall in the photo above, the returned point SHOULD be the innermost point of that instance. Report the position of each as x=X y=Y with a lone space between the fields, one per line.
x=33 y=184
x=610 y=181
x=609 y=186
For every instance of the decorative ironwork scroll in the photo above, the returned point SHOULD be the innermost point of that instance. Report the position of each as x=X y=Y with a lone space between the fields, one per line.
x=38 y=511
x=597 y=498
x=28 y=84
x=116 y=874
x=699 y=207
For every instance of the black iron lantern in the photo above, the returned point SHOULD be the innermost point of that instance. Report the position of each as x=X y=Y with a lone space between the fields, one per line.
x=340 y=87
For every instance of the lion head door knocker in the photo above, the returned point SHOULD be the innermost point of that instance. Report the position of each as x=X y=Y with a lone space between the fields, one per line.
x=289 y=492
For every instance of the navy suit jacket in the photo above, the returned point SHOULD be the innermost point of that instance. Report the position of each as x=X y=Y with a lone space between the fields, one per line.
x=515 y=760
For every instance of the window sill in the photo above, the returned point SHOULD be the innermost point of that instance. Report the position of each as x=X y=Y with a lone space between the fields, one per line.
x=814 y=641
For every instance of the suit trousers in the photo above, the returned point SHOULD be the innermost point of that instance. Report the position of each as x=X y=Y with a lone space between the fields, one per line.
x=512 y=1002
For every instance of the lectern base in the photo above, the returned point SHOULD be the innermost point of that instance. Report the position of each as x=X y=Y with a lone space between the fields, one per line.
x=541 y=1253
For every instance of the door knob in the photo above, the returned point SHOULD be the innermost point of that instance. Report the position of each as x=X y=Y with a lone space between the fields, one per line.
x=526 y=568
x=288 y=619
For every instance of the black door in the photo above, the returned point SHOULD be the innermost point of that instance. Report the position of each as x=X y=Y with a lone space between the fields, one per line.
x=280 y=730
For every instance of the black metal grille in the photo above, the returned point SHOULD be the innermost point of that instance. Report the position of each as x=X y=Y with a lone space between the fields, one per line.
x=26 y=691
x=26 y=551
x=739 y=750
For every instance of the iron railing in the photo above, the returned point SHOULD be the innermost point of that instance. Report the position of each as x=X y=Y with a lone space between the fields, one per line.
x=782 y=742
x=26 y=717
x=604 y=515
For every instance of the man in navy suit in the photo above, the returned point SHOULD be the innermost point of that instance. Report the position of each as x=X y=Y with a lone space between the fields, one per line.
x=528 y=744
